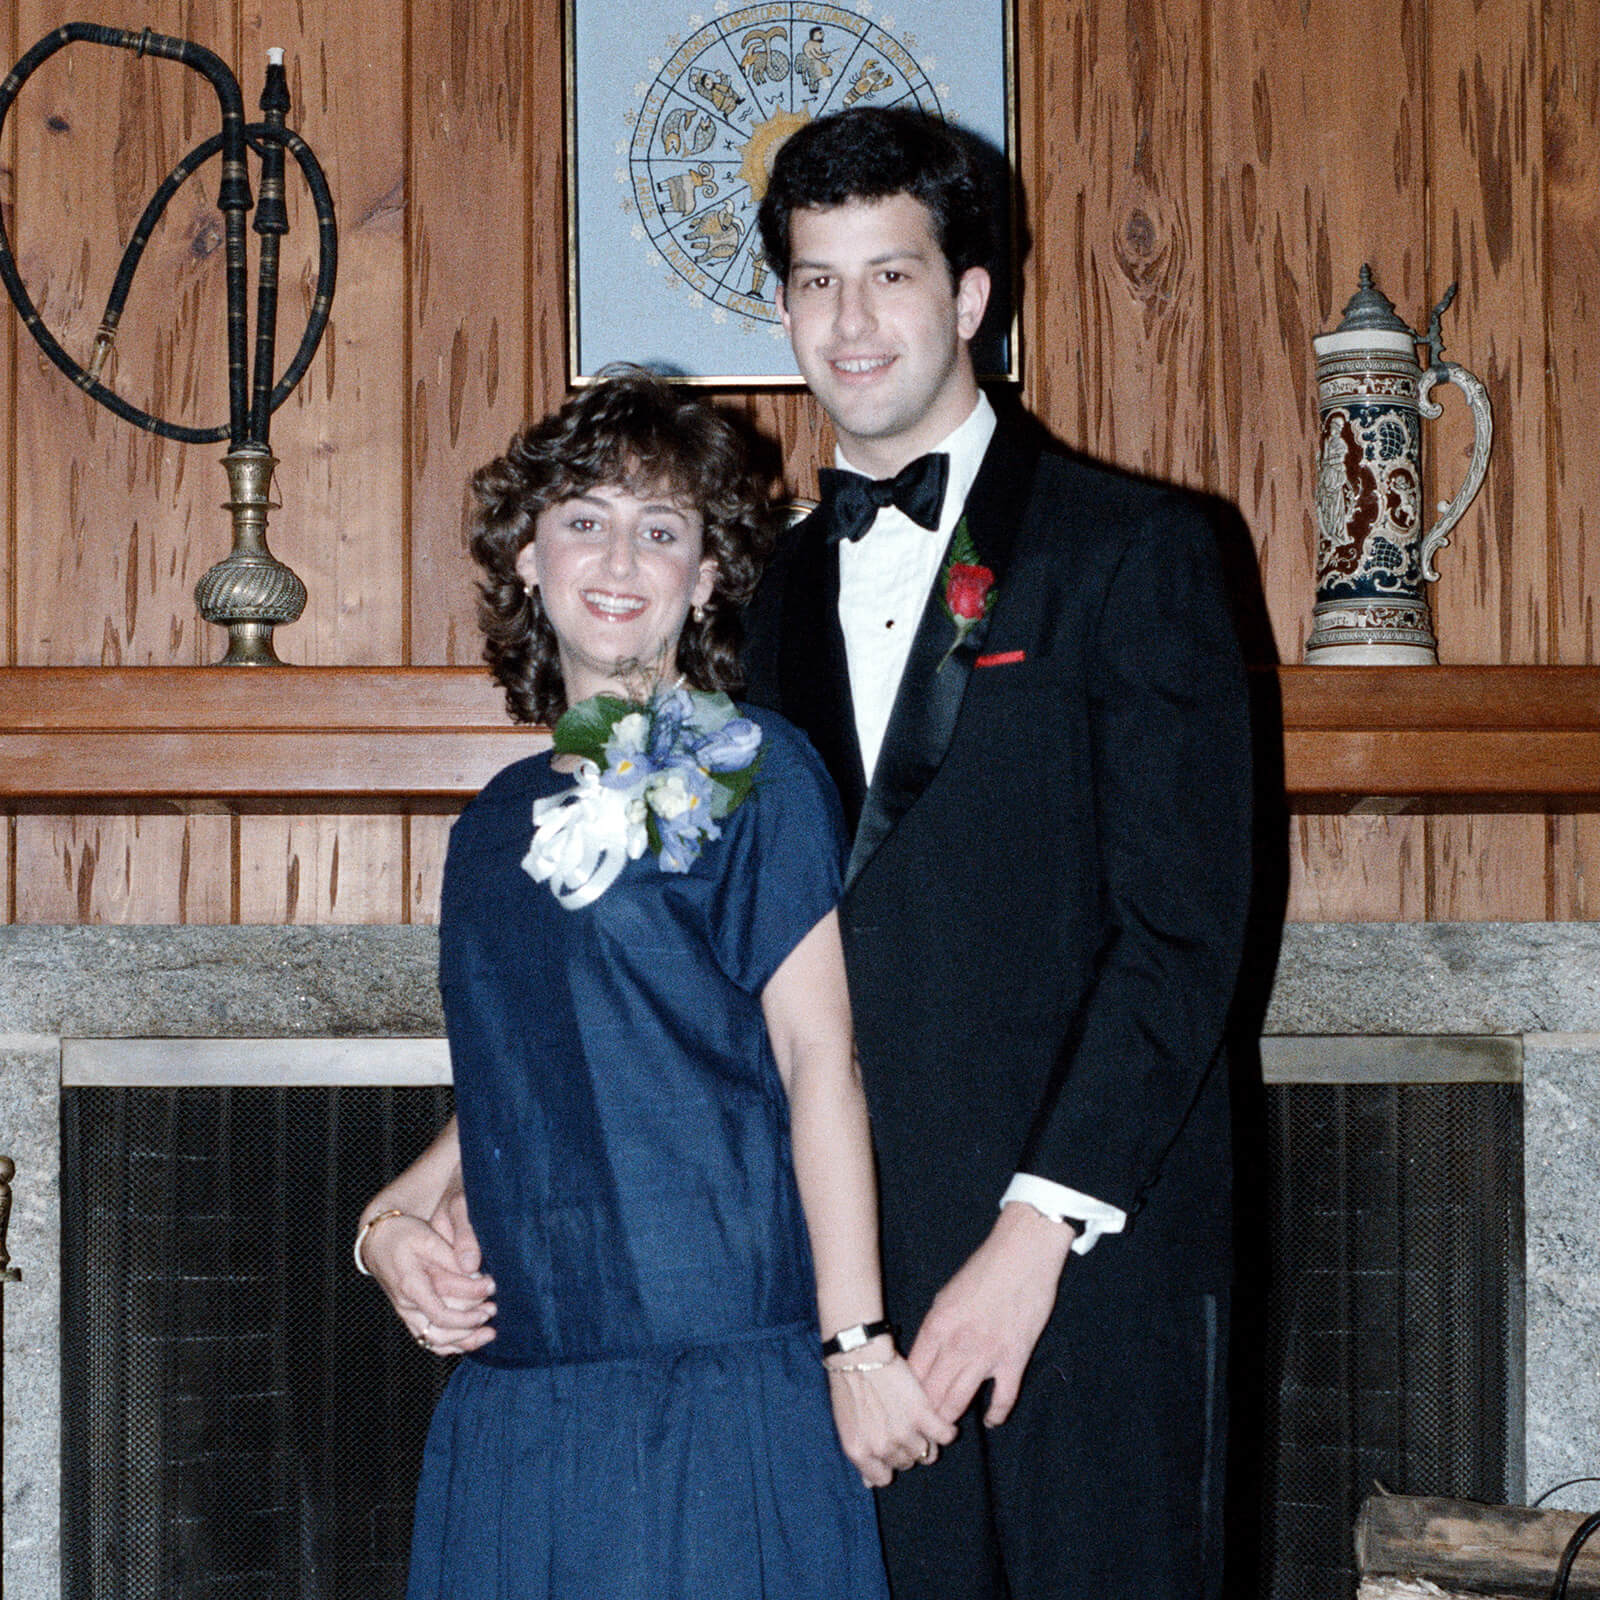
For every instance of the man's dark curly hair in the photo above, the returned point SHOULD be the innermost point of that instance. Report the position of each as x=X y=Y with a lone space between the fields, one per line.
x=630 y=430
x=874 y=153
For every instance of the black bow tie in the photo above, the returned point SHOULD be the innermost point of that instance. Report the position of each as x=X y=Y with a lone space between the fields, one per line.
x=854 y=501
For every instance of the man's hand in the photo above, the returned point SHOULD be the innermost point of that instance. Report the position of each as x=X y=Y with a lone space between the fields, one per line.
x=451 y=1223
x=986 y=1320
x=429 y=1270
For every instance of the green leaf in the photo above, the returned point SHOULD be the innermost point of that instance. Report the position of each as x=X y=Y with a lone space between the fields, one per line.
x=711 y=710
x=730 y=790
x=962 y=550
x=584 y=728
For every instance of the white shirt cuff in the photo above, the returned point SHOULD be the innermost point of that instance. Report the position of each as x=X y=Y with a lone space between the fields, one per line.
x=1055 y=1200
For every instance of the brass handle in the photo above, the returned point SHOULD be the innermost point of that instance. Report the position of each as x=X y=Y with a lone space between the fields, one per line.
x=8 y=1170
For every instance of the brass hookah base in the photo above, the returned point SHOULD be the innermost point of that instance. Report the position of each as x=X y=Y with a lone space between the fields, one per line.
x=250 y=592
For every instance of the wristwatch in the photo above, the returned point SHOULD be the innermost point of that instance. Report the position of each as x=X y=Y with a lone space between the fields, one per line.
x=852 y=1338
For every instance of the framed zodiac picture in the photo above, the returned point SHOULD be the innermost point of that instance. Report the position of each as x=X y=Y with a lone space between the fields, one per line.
x=674 y=114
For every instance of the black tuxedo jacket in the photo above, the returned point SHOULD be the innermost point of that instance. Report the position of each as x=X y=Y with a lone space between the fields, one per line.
x=1046 y=897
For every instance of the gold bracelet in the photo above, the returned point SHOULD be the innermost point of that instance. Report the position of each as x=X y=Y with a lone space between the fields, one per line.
x=366 y=1228
x=866 y=1366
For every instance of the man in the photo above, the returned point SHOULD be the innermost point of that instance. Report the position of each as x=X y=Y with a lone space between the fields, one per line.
x=1027 y=688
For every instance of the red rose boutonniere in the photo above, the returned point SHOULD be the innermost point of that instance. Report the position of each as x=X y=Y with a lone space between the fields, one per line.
x=968 y=588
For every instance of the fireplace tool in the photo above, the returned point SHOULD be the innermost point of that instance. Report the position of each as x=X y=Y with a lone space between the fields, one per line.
x=249 y=592
x=8 y=1274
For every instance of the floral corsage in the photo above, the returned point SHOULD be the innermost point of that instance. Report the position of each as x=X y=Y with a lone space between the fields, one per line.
x=659 y=775
x=967 y=590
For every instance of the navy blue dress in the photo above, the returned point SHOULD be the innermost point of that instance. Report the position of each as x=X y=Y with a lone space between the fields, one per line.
x=651 y=1421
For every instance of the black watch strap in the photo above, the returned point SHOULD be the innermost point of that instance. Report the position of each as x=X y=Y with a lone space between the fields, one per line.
x=848 y=1339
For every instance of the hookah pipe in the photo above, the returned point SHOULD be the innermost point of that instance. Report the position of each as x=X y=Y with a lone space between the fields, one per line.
x=250 y=591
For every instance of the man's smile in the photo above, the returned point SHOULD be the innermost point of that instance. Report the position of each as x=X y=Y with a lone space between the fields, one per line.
x=854 y=366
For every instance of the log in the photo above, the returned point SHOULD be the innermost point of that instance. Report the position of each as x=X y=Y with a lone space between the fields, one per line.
x=1461 y=1545
x=1409 y=1589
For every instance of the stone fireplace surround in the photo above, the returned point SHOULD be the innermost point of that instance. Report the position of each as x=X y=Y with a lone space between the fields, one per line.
x=1538 y=983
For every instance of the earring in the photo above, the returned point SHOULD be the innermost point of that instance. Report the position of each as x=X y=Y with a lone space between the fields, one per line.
x=699 y=613
x=527 y=589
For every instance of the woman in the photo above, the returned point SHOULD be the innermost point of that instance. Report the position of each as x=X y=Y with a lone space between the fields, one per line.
x=650 y=1038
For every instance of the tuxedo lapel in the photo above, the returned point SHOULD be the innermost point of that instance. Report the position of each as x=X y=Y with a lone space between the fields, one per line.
x=813 y=674
x=935 y=680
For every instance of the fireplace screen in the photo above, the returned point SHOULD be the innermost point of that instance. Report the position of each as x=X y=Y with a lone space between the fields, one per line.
x=242 y=1415
x=1395 y=1312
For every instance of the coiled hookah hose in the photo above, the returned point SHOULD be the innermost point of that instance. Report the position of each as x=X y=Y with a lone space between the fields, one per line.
x=250 y=592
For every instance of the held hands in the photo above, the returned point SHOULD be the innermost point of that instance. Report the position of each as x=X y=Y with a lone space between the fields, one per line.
x=986 y=1320
x=429 y=1270
x=885 y=1422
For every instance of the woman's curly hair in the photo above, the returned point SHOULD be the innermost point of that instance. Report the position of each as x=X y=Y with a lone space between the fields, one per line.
x=629 y=430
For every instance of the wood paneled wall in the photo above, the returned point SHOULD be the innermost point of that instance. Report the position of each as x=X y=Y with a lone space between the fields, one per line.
x=1202 y=178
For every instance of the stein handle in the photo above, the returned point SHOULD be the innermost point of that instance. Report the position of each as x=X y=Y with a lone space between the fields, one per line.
x=1482 y=437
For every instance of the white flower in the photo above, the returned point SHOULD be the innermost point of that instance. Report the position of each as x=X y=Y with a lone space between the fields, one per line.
x=670 y=796
x=582 y=838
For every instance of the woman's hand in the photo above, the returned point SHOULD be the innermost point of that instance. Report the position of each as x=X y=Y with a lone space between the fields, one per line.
x=886 y=1423
x=418 y=1264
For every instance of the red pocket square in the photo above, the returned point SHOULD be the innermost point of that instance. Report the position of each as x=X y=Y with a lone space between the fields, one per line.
x=1002 y=658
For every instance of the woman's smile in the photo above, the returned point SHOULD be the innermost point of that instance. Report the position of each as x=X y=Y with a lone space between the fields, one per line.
x=613 y=607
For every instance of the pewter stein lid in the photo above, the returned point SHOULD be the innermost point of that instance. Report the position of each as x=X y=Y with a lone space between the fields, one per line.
x=1370 y=310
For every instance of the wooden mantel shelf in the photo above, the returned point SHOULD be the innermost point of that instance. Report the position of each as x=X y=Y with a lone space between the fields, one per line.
x=389 y=738
x=1436 y=738
x=328 y=738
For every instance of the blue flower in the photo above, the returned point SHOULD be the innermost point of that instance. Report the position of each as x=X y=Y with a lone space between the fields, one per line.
x=669 y=713
x=731 y=748
x=680 y=798
x=681 y=841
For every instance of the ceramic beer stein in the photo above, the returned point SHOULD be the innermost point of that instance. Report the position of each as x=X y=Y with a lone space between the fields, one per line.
x=1372 y=556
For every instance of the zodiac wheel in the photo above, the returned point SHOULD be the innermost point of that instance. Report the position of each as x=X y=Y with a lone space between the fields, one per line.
x=717 y=111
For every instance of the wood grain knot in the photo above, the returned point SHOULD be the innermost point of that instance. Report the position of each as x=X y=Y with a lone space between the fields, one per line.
x=1139 y=236
x=206 y=239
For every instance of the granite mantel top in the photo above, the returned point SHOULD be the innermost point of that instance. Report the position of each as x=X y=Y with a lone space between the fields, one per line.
x=219 y=982
x=208 y=982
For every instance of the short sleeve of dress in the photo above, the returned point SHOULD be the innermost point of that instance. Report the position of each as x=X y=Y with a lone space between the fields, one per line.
x=782 y=867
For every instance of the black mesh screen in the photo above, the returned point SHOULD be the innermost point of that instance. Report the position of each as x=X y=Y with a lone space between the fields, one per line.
x=242 y=1415
x=1395 y=1310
